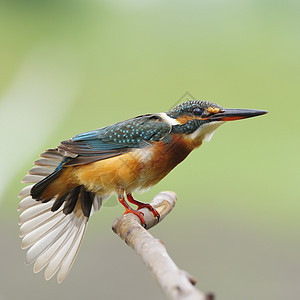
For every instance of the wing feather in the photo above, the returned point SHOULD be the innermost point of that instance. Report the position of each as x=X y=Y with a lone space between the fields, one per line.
x=44 y=258
x=40 y=171
x=115 y=139
x=45 y=242
x=63 y=249
x=26 y=203
x=35 y=235
x=25 y=191
x=32 y=178
x=34 y=211
x=54 y=238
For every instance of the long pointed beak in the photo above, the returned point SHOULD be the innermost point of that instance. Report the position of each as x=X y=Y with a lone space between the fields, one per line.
x=236 y=114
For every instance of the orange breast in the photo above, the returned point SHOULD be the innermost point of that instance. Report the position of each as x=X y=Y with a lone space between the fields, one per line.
x=165 y=157
x=139 y=169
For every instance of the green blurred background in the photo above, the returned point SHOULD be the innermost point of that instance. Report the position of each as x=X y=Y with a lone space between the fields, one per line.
x=73 y=66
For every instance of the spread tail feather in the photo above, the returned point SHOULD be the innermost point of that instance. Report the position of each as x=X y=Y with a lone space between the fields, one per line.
x=53 y=228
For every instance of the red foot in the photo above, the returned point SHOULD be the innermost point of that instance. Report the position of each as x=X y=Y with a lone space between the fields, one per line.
x=142 y=205
x=128 y=209
x=137 y=213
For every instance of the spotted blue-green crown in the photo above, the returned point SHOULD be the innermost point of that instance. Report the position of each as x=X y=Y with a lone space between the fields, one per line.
x=189 y=106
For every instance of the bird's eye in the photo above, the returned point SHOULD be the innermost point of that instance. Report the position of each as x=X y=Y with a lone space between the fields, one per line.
x=197 y=111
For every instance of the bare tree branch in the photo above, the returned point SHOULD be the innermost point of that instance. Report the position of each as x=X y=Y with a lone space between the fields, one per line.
x=175 y=283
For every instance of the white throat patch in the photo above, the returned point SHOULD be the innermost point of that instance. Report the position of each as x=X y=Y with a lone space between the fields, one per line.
x=206 y=131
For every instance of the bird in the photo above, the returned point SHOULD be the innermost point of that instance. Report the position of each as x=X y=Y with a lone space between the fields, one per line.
x=70 y=182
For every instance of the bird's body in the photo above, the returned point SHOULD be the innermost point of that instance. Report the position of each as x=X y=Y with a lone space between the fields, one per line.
x=136 y=168
x=71 y=181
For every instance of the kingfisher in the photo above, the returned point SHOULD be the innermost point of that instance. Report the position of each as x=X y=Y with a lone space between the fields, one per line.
x=70 y=182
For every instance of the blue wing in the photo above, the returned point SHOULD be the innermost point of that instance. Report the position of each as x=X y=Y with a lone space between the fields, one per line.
x=115 y=139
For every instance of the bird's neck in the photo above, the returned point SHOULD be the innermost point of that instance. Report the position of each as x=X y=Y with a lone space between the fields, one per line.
x=203 y=133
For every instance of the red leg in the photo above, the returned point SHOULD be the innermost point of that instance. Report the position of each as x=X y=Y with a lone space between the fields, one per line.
x=142 y=205
x=128 y=209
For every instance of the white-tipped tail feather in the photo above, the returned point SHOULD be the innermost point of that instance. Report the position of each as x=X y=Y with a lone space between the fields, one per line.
x=54 y=238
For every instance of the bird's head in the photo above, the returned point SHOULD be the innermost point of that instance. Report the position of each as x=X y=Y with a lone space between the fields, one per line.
x=197 y=120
